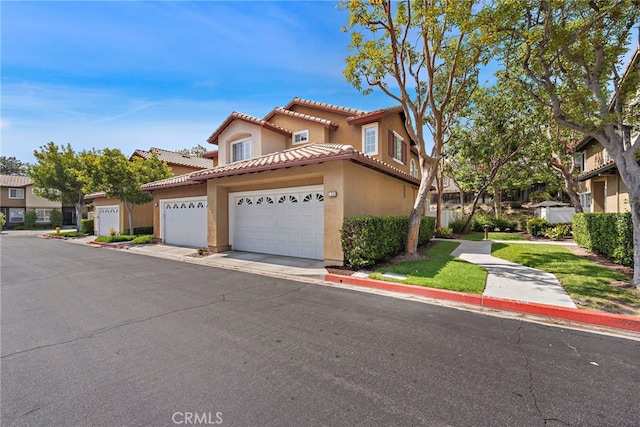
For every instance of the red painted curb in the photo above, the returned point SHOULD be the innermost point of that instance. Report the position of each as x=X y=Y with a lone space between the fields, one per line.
x=108 y=245
x=617 y=321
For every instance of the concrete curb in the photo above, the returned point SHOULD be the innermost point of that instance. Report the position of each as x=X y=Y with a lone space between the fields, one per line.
x=109 y=245
x=616 y=321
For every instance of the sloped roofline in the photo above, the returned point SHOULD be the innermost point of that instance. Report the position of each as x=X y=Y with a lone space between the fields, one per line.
x=324 y=106
x=325 y=122
x=213 y=139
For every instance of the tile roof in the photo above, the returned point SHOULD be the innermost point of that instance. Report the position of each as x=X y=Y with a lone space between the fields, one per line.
x=605 y=167
x=15 y=181
x=97 y=195
x=174 y=181
x=173 y=158
x=324 y=106
x=213 y=154
x=213 y=139
x=308 y=154
x=278 y=110
x=374 y=115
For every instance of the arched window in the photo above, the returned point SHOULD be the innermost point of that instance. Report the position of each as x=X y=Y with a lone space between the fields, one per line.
x=413 y=169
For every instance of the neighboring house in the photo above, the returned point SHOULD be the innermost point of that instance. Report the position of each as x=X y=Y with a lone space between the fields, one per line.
x=601 y=188
x=283 y=184
x=111 y=213
x=17 y=197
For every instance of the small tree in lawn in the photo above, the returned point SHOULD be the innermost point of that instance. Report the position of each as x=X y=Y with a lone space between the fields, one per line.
x=425 y=56
x=572 y=51
x=121 y=178
x=60 y=174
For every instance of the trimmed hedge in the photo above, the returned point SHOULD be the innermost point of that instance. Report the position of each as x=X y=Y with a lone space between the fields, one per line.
x=86 y=226
x=143 y=240
x=114 y=239
x=367 y=240
x=610 y=234
x=140 y=231
x=56 y=218
x=538 y=226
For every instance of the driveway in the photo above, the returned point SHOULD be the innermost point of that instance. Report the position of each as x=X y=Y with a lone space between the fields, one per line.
x=101 y=337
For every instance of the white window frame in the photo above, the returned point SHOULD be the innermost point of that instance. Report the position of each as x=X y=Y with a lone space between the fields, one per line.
x=581 y=161
x=16 y=192
x=13 y=212
x=606 y=158
x=372 y=126
x=585 y=200
x=398 y=141
x=413 y=169
x=44 y=215
x=301 y=133
x=245 y=152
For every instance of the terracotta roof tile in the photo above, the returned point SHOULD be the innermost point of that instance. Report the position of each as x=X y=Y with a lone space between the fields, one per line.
x=312 y=153
x=174 y=181
x=278 y=110
x=213 y=139
x=97 y=195
x=15 y=181
x=173 y=158
x=374 y=115
x=324 y=106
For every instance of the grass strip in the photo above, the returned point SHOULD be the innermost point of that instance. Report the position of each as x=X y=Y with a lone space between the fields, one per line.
x=493 y=235
x=586 y=282
x=440 y=270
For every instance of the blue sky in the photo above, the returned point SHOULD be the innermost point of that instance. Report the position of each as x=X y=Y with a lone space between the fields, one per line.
x=162 y=74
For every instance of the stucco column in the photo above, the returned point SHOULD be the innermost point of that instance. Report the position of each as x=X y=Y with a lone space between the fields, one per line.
x=217 y=217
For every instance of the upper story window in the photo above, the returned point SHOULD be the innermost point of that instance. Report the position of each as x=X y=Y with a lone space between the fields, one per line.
x=397 y=147
x=16 y=193
x=241 y=151
x=605 y=156
x=580 y=162
x=301 y=137
x=370 y=139
x=413 y=169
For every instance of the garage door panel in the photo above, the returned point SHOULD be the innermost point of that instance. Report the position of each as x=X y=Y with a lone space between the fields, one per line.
x=108 y=218
x=185 y=222
x=289 y=222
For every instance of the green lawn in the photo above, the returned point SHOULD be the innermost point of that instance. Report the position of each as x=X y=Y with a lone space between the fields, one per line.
x=69 y=234
x=440 y=270
x=586 y=282
x=493 y=235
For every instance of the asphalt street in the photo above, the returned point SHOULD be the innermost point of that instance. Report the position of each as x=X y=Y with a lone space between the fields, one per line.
x=95 y=336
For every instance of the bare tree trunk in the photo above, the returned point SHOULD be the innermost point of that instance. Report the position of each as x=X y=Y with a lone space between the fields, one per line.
x=415 y=218
x=439 y=202
x=130 y=207
x=570 y=187
x=497 y=202
x=634 y=199
x=474 y=206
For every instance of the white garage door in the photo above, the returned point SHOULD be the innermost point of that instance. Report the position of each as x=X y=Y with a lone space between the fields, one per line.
x=108 y=218
x=288 y=222
x=184 y=221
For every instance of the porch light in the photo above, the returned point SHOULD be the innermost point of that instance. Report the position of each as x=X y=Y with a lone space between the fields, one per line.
x=332 y=193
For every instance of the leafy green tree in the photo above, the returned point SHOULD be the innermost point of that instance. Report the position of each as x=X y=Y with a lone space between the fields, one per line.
x=424 y=55
x=3 y=220
x=197 y=151
x=12 y=166
x=571 y=52
x=56 y=218
x=121 y=178
x=61 y=174
x=496 y=128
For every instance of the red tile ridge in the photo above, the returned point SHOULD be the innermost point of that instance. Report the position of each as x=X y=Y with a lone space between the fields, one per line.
x=324 y=106
x=278 y=110
x=213 y=139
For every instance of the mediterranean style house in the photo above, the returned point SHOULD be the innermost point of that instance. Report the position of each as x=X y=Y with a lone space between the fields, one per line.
x=110 y=213
x=601 y=188
x=17 y=197
x=283 y=183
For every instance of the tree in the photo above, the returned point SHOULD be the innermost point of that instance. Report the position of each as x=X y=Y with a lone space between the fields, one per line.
x=12 y=166
x=425 y=55
x=61 y=174
x=121 y=178
x=496 y=128
x=197 y=151
x=572 y=52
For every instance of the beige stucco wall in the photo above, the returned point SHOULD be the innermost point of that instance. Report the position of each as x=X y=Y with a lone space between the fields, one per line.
x=263 y=141
x=317 y=132
x=6 y=202
x=172 y=193
x=35 y=202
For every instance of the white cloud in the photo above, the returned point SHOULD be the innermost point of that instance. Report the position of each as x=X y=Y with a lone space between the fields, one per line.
x=5 y=124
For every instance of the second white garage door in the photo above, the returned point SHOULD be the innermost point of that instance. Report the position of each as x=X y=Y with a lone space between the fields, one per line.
x=108 y=219
x=184 y=221
x=288 y=221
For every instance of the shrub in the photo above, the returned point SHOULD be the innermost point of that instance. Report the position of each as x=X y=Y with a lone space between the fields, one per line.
x=516 y=205
x=203 y=251
x=537 y=226
x=143 y=239
x=116 y=238
x=444 y=232
x=56 y=218
x=502 y=223
x=30 y=218
x=86 y=226
x=558 y=232
x=3 y=221
x=112 y=231
x=610 y=234
x=140 y=231
x=457 y=225
x=367 y=240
